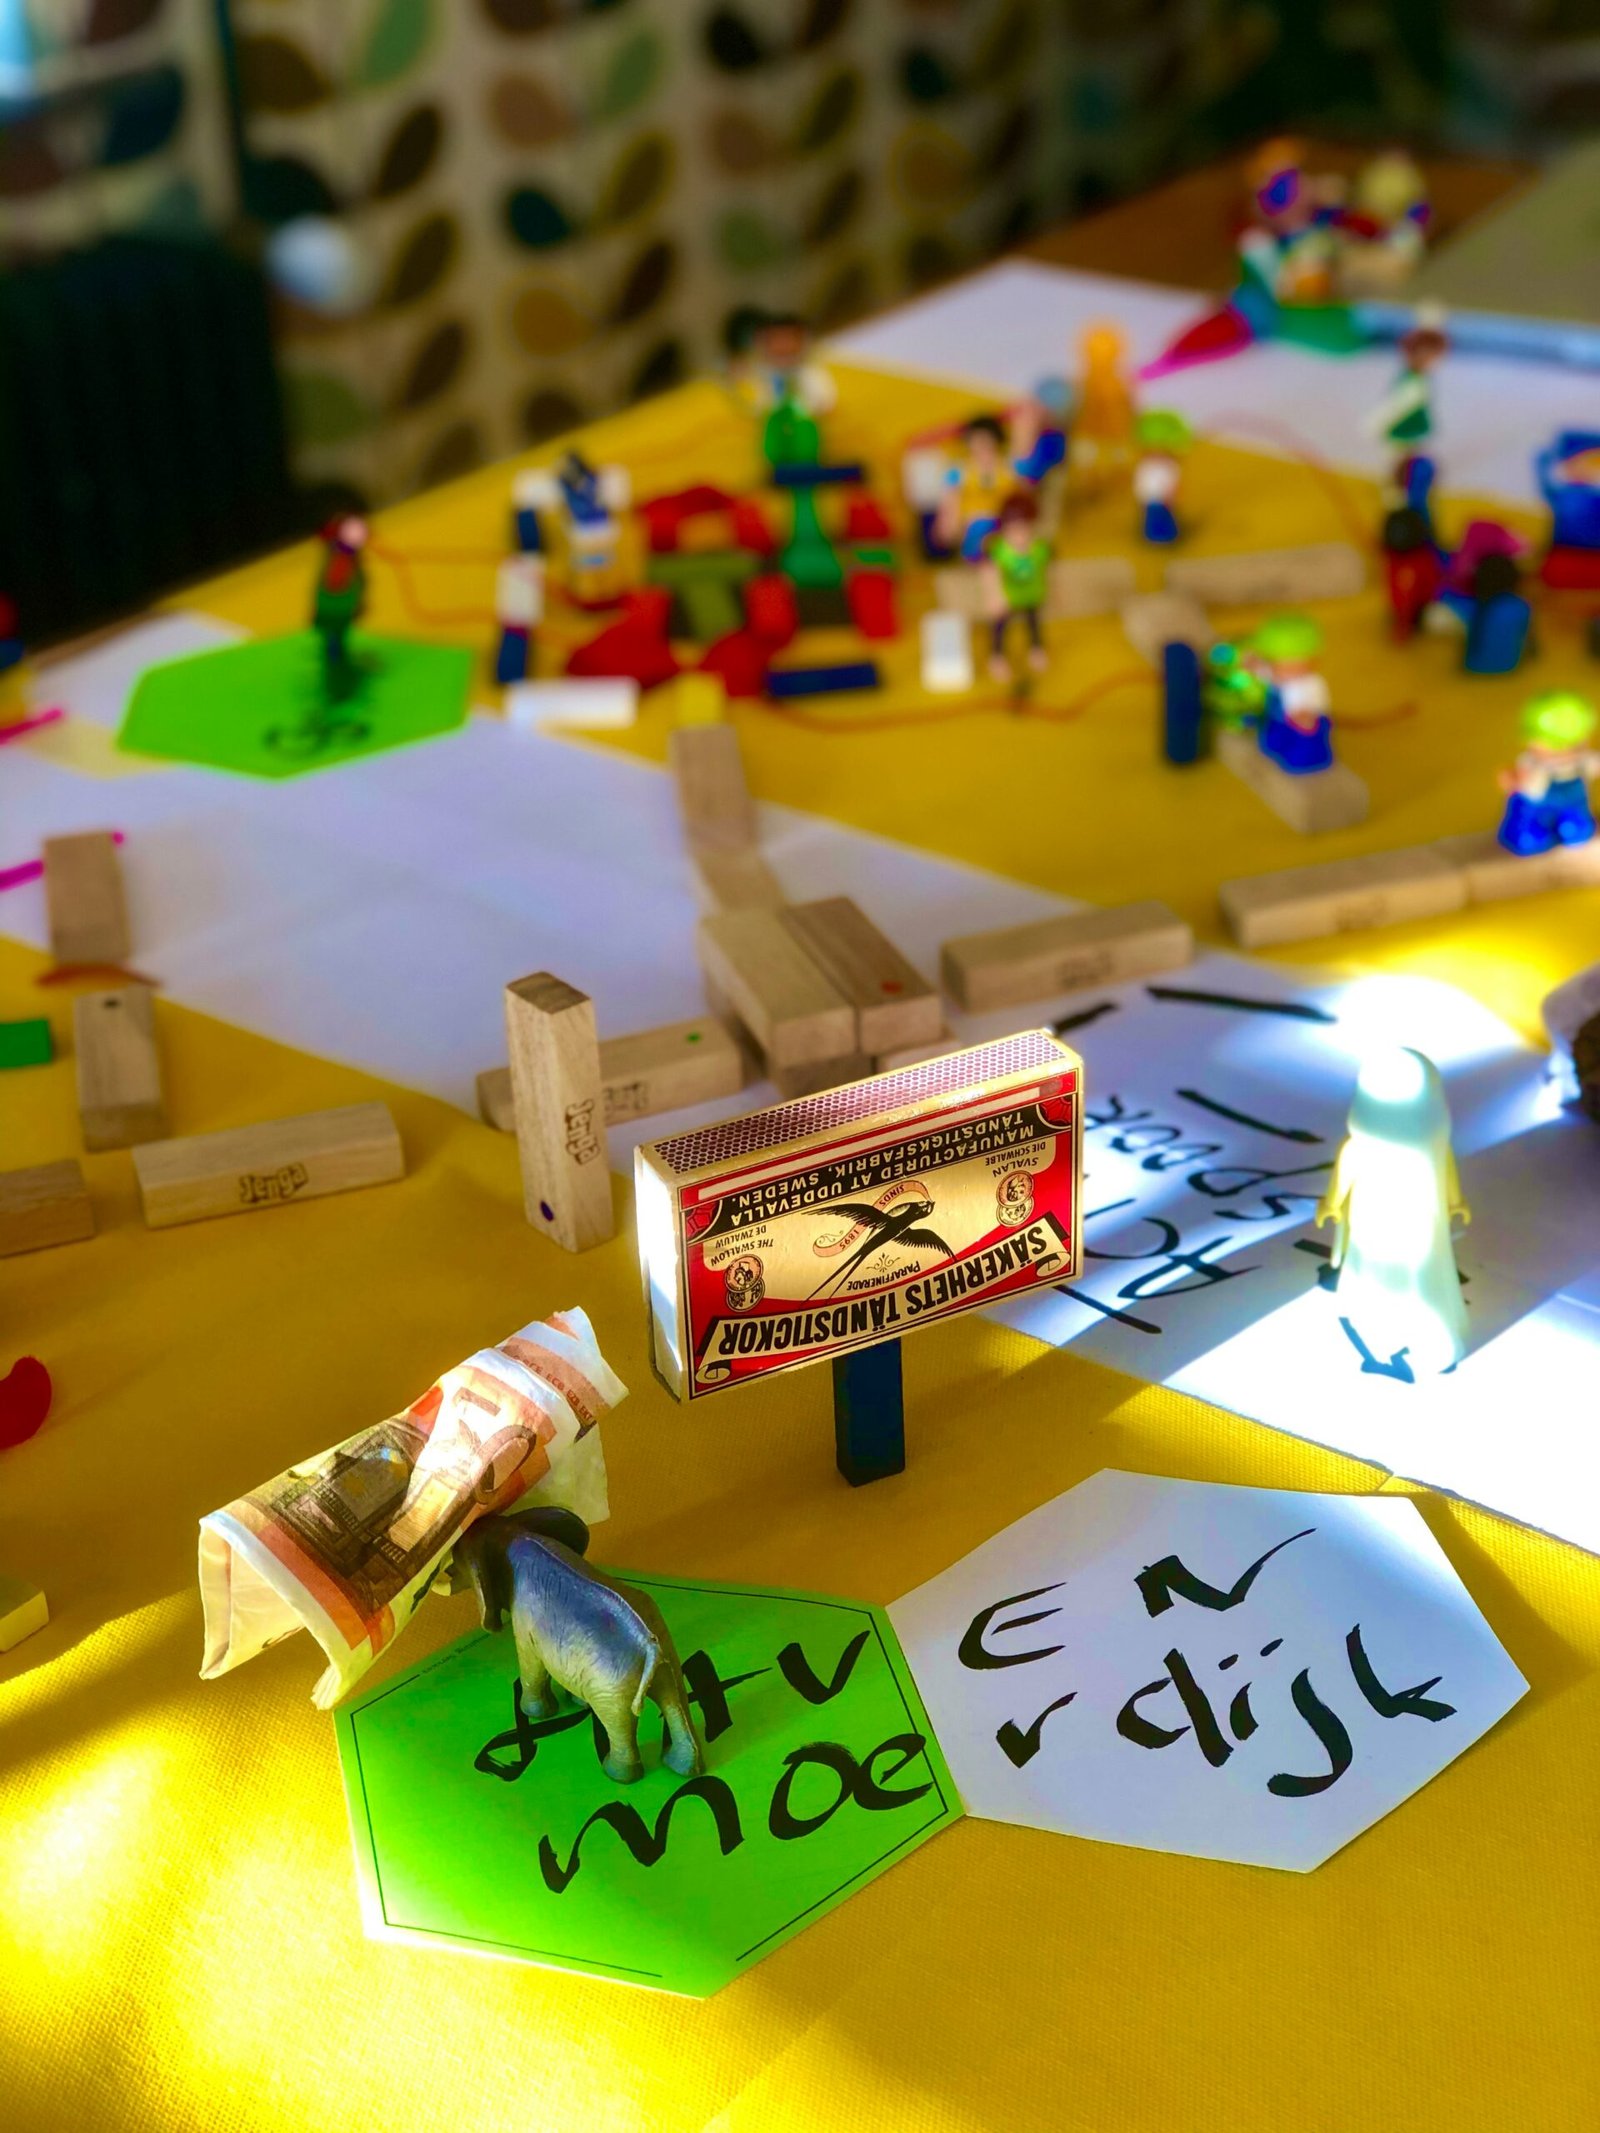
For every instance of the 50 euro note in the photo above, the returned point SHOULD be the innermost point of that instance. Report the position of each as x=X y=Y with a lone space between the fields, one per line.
x=347 y=1544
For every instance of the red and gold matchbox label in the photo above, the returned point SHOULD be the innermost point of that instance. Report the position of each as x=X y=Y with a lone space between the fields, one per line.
x=796 y=1256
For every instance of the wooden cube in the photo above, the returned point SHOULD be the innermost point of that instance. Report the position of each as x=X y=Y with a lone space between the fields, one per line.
x=1493 y=875
x=1344 y=896
x=1310 y=801
x=1018 y=964
x=794 y=1012
x=893 y=1001
x=88 y=914
x=1088 y=585
x=1272 y=577
x=120 y=1100
x=1152 y=621
x=45 y=1206
x=560 y=1111
x=205 y=1175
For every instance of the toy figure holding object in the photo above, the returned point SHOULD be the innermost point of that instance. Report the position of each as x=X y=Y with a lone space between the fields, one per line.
x=578 y=1630
x=339 y=602
x=1547 y=786
x=1296 y=727
x=1015 y=570
x=1404 y=417
x=1393 y=1196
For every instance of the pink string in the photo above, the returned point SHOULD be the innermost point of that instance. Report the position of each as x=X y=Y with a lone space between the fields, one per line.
x=19 y=727
x=33 y=869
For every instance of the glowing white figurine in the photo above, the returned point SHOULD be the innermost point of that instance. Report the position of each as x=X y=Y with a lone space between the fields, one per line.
x=1393 y=1195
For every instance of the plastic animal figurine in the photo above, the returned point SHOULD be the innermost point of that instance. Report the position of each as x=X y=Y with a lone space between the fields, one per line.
x=1546 y=788
x=1393 y=1196
x=576 y=1629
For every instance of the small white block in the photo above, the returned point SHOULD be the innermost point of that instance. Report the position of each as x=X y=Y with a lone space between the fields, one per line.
x=535 y=489
x=922 y=477
x=579 y=701
x=946 y=651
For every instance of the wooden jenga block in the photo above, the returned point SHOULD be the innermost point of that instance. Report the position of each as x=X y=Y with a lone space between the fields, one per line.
x=1345 y=896
x=23 y=1609
x=204 y=1175
x=894 y=1003
x=663 y=1069
x=1325 y=570
x=120 y=1102
x=88 y=913
x=914 y=1054
x=958 y=589
x=718 y=812
x=699 y=700
x=1154 y=620
x=1311 y=802
x=735 y=881
x=496 y=1106
x=560 y=1110
x=819 y=1074
x=1016 y=964
x=1088 y=585
x=49 y=1205
x=795 y=1014
x=1493 y=875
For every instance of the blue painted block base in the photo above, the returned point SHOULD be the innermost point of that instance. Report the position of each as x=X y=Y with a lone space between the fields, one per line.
x=869 y=1416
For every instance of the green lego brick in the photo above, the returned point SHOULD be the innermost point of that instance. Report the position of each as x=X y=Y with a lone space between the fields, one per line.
x=711 y=609
x=715 y=566
x=26 y=1043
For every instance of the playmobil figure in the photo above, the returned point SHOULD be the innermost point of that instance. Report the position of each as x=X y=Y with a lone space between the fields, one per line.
x=576 y=1629
x=1392 y=1199
x=1413 y=567
x=340 y=601
x=974 y=489
x=1404 y=417
x=1296 y=728
x=1164 y=438
x=1016 y=566
x=1102 y=425
x=1547 y=798
x=771 y=367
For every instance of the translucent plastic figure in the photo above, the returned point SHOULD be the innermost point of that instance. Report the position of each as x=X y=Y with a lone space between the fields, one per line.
x=1393 y=1197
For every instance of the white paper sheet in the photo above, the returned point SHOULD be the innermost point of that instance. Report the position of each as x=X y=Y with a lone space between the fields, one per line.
x=1109 y=1668
x=1202 y=1262
x=373 y=912
x=1492 y=415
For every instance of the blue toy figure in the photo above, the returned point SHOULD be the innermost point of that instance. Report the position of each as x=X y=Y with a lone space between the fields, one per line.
x=1393 y=1197
x=1547 y=799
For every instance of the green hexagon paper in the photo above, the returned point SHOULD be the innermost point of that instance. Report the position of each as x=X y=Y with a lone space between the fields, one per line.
x=476 y=1829
x=259 y=708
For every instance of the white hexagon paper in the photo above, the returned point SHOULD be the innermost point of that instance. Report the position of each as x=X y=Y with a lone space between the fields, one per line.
x=1233 y=1673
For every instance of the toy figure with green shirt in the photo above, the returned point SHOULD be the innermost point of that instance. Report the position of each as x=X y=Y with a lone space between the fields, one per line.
x=1016 y=565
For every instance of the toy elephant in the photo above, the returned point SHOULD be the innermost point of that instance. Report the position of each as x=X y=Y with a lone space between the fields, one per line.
x=578 y=1630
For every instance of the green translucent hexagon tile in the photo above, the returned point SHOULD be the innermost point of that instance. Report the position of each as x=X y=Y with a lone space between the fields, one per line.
x=476 y=1829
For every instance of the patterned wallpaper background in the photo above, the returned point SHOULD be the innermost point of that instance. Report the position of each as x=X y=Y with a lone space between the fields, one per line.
x=560 y=205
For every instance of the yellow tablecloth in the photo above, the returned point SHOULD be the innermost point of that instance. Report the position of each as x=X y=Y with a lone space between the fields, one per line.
x=177 y=1908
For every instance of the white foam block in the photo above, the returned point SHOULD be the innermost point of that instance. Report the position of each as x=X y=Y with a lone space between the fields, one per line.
x=946 y=651
x=579 y=701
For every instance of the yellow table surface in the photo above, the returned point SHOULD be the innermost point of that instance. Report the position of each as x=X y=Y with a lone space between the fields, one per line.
x=182 y=1947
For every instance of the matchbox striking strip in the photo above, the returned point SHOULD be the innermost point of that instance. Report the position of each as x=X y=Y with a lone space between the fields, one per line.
x=860 y=1213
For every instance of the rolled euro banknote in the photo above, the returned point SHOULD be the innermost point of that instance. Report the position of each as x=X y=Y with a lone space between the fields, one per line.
x=347 y=1544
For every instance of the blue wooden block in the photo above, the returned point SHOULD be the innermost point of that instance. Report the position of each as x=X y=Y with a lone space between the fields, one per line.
x=824 y=681
x=807 y=477
x=869 y=1415
x=1182 y=714
x=1497 y=635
